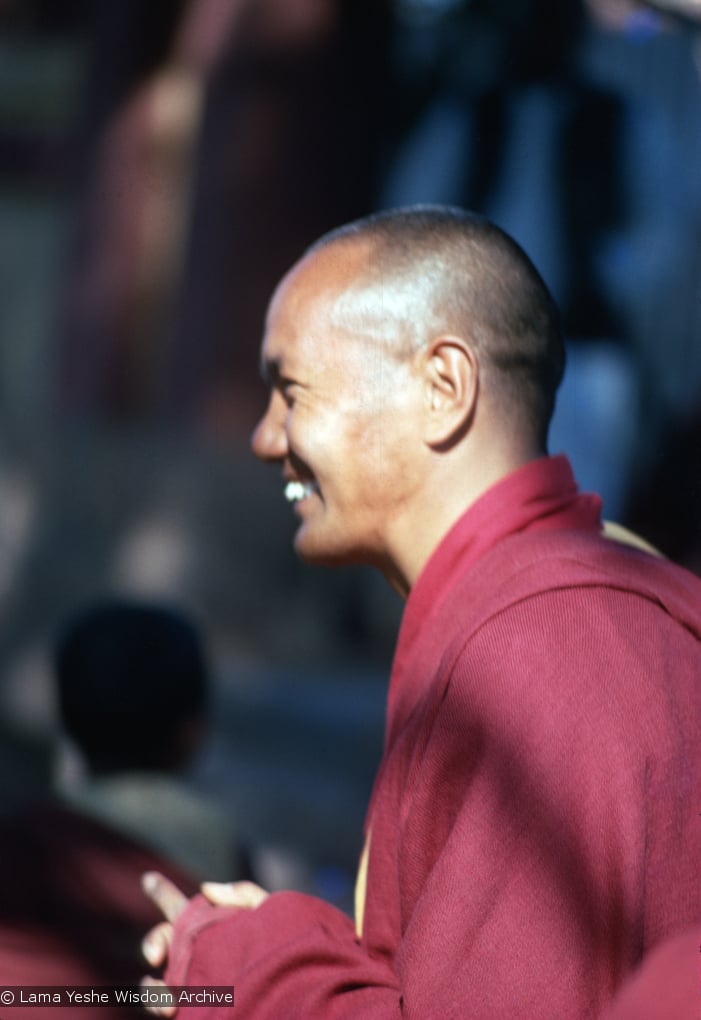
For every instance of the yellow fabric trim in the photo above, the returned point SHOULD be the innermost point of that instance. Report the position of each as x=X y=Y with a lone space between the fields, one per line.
x=361 y=883
x=618 y=533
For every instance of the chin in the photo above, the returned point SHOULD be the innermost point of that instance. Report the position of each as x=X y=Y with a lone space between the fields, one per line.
x=327 y=554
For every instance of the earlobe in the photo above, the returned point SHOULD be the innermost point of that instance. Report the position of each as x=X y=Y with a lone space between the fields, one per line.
x=451 y=376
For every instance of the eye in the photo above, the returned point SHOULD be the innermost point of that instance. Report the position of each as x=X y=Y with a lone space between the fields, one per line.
x=288 y=389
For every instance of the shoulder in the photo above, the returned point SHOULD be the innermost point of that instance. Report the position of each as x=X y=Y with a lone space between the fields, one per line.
x=563 y=622
x=590 y=567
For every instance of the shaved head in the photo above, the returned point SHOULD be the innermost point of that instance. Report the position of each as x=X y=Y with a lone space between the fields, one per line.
x=434 y=270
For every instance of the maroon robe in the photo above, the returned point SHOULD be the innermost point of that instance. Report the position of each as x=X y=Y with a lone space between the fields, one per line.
x=72 y=911
x=534 y=827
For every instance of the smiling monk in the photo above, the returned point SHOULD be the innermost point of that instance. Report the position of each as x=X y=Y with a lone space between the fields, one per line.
x=534 y=827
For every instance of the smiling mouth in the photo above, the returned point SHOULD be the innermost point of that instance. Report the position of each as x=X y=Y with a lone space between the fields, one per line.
x=297 y=491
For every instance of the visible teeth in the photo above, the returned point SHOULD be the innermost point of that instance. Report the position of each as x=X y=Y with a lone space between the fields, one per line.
x=294 y=491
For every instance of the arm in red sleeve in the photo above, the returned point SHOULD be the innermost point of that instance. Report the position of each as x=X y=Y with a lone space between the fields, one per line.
x=294 y=956
x=666 y=985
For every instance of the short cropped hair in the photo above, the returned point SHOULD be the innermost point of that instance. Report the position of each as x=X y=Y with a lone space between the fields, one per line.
x=445 y=268
x=129 y=677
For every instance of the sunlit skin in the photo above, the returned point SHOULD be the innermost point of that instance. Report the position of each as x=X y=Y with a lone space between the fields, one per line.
x=171 y=902
x=379 y=435
x=342 y=415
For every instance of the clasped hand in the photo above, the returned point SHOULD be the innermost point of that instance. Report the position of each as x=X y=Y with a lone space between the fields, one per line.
x=171 y=902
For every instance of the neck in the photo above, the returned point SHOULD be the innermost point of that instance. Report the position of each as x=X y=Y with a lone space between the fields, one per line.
x=448 y=494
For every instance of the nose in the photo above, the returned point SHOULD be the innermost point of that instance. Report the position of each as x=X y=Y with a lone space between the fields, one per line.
x=269 y=439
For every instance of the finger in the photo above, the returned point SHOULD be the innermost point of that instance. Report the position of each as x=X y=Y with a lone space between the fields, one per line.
x=244 y=895
x=156 y=943
x=167 y=897
x=162 y=1009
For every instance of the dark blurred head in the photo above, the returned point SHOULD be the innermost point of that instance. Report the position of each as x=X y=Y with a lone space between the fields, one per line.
x=132 y=686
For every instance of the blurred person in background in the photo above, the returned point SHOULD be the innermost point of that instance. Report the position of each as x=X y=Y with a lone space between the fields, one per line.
x=72 y=906
x=119 y=666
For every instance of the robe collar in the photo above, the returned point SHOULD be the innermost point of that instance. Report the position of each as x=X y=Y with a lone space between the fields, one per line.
x=540 y=495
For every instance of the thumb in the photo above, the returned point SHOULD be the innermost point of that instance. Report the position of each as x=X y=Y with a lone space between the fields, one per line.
x=244 y=895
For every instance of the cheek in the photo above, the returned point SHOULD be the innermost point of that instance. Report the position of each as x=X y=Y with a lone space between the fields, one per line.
x=318 y=438
x=388 y=441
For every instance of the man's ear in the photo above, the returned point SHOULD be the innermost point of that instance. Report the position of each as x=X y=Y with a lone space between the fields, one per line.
x=451 y=378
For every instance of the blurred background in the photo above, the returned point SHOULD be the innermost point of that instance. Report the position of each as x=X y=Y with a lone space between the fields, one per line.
x=161 y=165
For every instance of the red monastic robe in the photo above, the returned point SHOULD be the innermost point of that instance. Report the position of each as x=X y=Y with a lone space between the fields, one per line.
x=535 y=824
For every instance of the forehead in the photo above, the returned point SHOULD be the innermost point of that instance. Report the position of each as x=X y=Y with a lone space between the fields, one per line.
x=303 y=319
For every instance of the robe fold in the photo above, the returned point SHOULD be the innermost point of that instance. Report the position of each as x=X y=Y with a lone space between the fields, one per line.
x=534 y=827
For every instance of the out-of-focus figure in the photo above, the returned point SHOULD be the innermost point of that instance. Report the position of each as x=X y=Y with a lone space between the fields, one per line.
x=132 y=683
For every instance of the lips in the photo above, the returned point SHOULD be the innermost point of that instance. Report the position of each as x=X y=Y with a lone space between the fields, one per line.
x=296 y=491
